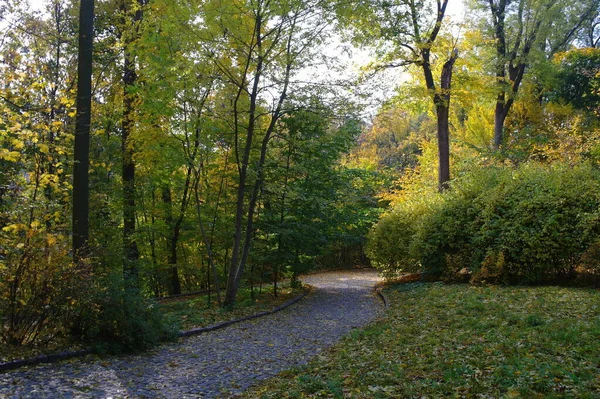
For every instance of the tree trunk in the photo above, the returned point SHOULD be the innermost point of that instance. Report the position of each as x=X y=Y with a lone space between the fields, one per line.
x=82 y=131
x=237 y=265
x=443 y=137
x=499 y=118
x=442 y=101
x=243 y=237
x=130 y=248
x=172 y=239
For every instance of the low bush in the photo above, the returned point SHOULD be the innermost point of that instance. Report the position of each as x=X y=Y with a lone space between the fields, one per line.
x=390 y=242
x=525 y=225
x=114 y=319
x=541 y=219
x=39 y=286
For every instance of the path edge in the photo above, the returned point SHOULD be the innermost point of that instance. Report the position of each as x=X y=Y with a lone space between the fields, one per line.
x=202 y=330
x=381 y=295
x=66 y=355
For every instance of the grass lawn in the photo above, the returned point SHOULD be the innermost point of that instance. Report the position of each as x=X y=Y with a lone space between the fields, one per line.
x=440 y=341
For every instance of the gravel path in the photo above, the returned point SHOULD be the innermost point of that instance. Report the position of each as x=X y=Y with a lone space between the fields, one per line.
x=219 y=363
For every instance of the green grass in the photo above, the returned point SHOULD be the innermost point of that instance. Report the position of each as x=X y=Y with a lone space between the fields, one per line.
x=196 y=311
x=439 y=341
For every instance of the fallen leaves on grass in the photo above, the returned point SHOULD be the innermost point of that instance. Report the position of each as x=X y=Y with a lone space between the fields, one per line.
x=465 y=342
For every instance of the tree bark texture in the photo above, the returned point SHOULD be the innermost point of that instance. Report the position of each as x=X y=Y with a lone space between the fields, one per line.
x=130 y=248
x=82 y=131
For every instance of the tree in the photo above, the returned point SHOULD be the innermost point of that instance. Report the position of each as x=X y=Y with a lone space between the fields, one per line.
x=255 y=47
x=82 y=130
x=520 y=29
x=578 y=79
x=405 y=25
x=130 y=9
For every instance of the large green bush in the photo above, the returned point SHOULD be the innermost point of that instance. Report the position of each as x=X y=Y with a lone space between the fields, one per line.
x=523 y=225
x=443 y=243
x=540 y=220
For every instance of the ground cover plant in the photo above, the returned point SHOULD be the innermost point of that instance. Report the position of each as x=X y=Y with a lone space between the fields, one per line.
x=439 y=340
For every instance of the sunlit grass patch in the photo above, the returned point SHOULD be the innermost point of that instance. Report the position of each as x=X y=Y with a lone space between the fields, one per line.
x=462 y=341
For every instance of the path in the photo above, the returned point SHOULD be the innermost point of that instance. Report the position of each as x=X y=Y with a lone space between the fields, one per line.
x=217 y=363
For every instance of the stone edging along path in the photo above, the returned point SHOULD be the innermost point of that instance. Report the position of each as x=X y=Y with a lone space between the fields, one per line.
x=216 y=364
x=65 y=355
x=386 y=302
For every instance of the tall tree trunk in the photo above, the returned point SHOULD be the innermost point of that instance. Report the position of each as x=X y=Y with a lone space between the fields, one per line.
x=441 y=96
x=208 y=244
x=237 y=265
x=442 y=101
x=172 y=239
x=130 y=248
x=443 y=137
x=243 y=234
x=82 y=131
x=511 y=59
x=499 y=119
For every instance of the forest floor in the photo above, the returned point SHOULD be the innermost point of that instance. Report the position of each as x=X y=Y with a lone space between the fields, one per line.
x=184 y=312
x=450 y=340
x=196 y=311
x=218 y=363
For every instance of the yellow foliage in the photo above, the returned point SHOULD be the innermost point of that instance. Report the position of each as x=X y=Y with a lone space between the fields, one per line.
x=18 y=144
x=10 y=156
x=14 y=228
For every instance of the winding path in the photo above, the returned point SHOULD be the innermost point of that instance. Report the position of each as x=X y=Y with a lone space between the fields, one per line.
x=219 y=363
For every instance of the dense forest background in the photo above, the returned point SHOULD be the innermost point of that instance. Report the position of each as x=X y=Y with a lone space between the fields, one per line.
x=230 y=147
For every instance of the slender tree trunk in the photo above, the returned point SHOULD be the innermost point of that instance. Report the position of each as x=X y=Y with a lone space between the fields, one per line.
x=82 y=131
x=208 y=245
x=130 y=248
x=443 y=132
x=237 y=264
x=499 y=119
x=172 y=239
x=511 y=60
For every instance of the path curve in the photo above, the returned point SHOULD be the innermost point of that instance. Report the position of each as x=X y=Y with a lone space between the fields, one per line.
x=218 y=363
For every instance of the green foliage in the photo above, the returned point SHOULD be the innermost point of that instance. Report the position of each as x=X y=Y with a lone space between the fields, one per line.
x=390 y=240
x=317 y=209
x=522 y=225
x=117 y=320
x=578 y=79
x=541 y=220
x=441 y=341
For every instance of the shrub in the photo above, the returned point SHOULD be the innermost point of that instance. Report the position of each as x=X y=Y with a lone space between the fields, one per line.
x=39 y=286
x=443 y=241
x=390 y=241
x=541 y=219
x=523 y=225
x=115 y=319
